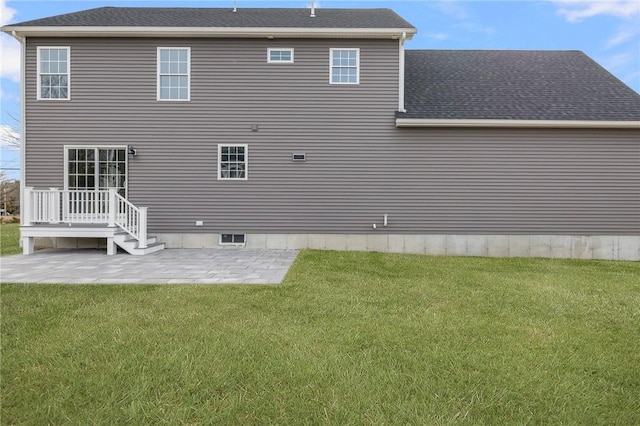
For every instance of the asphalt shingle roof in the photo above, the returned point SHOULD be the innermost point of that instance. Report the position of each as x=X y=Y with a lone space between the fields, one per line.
x=225 y=18
x=517 y=85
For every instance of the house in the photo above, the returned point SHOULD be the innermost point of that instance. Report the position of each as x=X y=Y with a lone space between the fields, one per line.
x=295 y=128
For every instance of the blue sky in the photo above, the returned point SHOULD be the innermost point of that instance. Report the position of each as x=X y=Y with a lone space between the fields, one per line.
x=608 y=31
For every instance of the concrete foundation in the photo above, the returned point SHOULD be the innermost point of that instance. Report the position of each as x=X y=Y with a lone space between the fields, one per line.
x=608 y=247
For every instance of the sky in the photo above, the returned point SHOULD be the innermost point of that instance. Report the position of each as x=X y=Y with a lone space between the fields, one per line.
x=606 y=30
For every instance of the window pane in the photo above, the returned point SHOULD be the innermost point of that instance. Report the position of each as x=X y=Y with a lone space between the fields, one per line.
x=164 y=55
x=183 y=55
x=44 y=54
x=62 y=54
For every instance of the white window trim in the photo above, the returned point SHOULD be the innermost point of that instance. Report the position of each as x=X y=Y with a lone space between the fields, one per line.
x=231 y=244
x=66 y=162
x=246 y=161
x=272 y=49
x=331 y=50
x=188 y=49
x=39 y=94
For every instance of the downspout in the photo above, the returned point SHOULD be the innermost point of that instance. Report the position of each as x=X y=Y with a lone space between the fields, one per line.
x=401 y=72
x=23 y=124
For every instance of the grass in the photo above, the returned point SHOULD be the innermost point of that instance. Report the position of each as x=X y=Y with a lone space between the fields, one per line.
x=9 y=236
x=348 y=338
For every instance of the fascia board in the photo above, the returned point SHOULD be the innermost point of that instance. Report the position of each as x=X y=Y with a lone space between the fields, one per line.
x=555 y=124
x=247 y=32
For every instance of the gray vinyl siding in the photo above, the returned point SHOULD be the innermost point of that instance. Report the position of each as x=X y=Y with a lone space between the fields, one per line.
x=359 y=165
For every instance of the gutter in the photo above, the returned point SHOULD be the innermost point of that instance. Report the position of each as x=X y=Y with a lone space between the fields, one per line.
x=550 y=124
x=247 y=32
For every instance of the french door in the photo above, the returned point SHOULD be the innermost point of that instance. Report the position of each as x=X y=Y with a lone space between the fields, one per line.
x=96 y=168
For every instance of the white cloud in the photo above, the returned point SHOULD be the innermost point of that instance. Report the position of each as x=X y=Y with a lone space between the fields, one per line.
x=6 y=13
x=439 y=36
x=452 y=8
x=619 y=61
x=623 y=35
x=475 y=28
x=578 y=10
x=9 y=47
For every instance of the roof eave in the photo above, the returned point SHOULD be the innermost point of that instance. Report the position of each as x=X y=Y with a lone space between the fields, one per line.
x=553 y=124
x=244 y=32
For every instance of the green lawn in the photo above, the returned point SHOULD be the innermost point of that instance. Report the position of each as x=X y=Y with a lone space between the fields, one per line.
x=9 y=236
x=348 y=338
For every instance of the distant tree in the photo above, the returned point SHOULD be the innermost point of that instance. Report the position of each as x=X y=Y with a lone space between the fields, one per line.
x=9 y=133
x=9 y=187
x=9 y=194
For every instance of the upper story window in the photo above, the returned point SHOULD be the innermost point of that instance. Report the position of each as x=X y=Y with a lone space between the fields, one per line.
x=174 y=69
x=280 y=56
x=53 y=73
x=345 y=66
x=232 y=162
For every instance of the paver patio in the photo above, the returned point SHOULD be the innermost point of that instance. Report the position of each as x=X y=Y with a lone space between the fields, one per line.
x=172 y=266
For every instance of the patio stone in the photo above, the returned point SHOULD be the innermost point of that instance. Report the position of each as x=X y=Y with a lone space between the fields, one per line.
x=170 y=266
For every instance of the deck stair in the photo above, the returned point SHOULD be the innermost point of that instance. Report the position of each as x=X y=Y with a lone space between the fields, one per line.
x=86 y=214
x=132 y=246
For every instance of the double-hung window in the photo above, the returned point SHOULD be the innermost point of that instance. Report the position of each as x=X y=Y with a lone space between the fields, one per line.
x=174 y=73
x=232 y=162
x=345 y=66
x=279 y=56
x=53 y=73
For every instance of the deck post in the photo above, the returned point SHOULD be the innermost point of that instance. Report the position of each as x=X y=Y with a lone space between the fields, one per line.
x=28 y=245
x=112 y=249
x=113 y=207
x=27 y=205
x=54 y=206
x=142 y=236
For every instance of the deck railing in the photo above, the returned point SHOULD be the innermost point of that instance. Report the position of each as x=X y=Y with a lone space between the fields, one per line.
x=105 y=206
x=130 y=218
